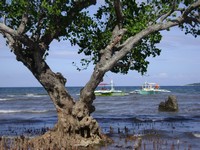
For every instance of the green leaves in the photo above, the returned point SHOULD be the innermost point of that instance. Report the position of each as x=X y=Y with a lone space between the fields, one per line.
x=136 y=18
x=144 y=49
x=67 y=20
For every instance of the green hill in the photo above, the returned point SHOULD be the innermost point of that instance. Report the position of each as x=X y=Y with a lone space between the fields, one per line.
x=193 y=84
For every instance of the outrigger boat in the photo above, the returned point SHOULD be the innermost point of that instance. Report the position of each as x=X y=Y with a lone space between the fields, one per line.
x=149 y=88
x=103 y=91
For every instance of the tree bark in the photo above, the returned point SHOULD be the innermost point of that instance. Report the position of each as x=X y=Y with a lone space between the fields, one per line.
x=75 y=126
x=74 y=121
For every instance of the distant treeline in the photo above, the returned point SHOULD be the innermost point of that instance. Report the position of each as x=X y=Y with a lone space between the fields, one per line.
x=194 y=84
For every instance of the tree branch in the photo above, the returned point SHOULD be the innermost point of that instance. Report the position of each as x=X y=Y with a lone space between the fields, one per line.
x=193 y=6
x=4 y=19
x=13 y=35
x=170 y=12
x=66 y=20
x=132 y=41
x=5 y=29
x=189 y=20
x=81 y=4
x=117 y=33
x=10 y=39
x=22 y=26
x=118 y=12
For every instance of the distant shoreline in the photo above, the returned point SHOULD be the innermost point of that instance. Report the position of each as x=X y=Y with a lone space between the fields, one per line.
x=193 y=84
x=115 y=86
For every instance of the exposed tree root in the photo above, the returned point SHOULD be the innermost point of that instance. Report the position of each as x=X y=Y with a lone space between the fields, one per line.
x=53 y=140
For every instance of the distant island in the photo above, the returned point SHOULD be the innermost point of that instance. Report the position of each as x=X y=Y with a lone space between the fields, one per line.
x=193 y=84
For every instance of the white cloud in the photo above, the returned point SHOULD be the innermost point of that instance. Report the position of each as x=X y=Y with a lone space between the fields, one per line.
x=65 y=54
x=162 y=75
x=101 y=2
x=177 y=38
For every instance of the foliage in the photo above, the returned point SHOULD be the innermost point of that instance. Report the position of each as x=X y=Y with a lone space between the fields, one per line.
x=137 y=17
x=93 y=32
x=45 y=17
x=99 y=30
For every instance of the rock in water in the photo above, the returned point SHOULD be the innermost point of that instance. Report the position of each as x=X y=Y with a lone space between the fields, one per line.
x=169 y=105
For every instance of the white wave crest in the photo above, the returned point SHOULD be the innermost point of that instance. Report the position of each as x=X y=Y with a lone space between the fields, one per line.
x=5 y=99
x=197 y=135
x=23 y=111
x=35 y=95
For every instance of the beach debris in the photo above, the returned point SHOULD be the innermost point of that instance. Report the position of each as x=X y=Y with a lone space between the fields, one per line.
x=126 y=130
x=118 y=131
x=169 y=105
x=138 y=143
x=111 y=130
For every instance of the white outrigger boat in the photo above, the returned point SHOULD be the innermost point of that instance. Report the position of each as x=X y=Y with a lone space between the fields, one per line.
x=109 y=92
x=149 y=88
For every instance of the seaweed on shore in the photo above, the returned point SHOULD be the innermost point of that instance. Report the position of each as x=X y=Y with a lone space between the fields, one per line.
x=122 y=139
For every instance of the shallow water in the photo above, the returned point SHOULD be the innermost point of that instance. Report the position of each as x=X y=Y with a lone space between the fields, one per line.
x=121 y=116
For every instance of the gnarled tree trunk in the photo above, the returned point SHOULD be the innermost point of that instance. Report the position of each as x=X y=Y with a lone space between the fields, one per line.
x=75 y=126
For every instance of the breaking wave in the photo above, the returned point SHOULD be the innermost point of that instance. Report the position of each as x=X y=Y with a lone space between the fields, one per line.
x=5 y=99
x=23 y=111
x=35 y=95
x=197 y=135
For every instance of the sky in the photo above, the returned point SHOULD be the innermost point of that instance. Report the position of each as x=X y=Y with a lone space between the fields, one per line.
x=178 y=64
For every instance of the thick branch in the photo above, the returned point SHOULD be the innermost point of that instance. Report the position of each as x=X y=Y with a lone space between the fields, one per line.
x=81 y=4
x=189 y=20
x=193 y=6
x=132 y=41
x=6 y=29
x=22 y=26
x=23 y=38
x=118 y=12
x=108 y=51
x=10 y=39
x=22 y=45
x=87 y=94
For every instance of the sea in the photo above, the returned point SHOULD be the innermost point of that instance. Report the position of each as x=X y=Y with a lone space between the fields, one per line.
x=27 y=110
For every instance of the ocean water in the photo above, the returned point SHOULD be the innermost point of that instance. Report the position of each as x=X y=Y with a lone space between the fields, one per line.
x=22 y=109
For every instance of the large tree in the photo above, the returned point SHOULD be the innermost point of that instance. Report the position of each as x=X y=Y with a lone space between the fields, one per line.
x=118 y=37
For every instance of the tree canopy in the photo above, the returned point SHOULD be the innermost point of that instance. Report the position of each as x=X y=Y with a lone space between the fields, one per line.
x=134 y=17
x=46 y=20
x=118 y=38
